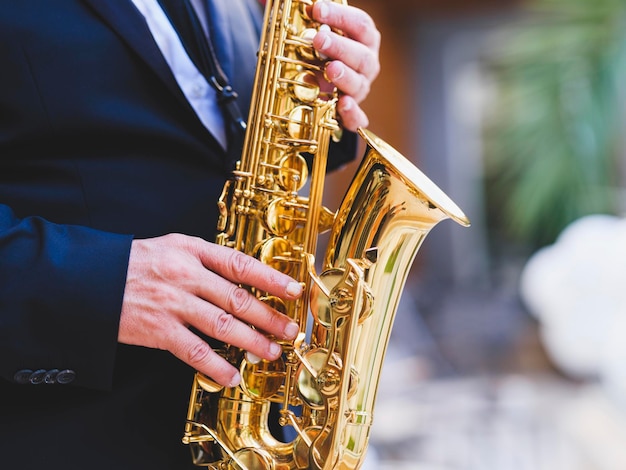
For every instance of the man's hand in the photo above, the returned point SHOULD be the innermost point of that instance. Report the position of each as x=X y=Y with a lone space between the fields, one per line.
x=175 y=282
x=353 y=57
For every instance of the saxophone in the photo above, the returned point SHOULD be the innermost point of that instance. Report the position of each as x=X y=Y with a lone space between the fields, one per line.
x=325 y=383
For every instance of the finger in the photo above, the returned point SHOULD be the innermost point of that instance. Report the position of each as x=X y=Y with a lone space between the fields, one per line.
x=352 y=116
x=359 y=43
x=352 y=53
x=243 y=269
x=247 y=308
x=351 y=21
x=218 y=324
x=347 y=80
x=195 y=352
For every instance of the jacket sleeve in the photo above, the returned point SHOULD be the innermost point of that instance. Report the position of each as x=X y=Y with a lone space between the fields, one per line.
x=339 y=153
x=344 y=151
x=61 y=290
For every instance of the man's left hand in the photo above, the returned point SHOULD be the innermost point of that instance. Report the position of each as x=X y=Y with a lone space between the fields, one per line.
x=353 y=61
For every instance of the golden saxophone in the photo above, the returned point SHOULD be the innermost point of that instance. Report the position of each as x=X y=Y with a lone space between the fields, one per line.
x=326 y=381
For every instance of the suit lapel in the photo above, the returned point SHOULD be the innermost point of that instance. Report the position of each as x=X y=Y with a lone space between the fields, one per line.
x=232 y=23
x=129 y=24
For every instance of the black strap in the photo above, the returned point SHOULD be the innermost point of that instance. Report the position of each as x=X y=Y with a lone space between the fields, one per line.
x=200 y=49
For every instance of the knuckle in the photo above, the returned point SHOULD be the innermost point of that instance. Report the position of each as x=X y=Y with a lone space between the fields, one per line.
x=202 y=357
x=366 y=90
x=274 y=279
x=172 y=269
x=240 y=264
x=375 y=67
x=275 y=323
x=376 y=38
x=368 y=65
x=223 y=324
x=258 y=342
x=200 y=353
x=362 y=26
x=240 y=300
x=175 y=239
x=165 y=298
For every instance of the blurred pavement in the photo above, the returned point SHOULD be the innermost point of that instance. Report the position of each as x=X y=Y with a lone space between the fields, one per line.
x=466 y=385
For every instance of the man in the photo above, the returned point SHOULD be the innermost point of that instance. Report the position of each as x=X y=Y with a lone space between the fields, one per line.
x=112 y=157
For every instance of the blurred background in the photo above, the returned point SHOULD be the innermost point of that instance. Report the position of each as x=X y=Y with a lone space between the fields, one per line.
x=509 y=347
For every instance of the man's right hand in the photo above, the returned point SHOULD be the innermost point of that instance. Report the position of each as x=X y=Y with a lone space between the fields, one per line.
x=175 y=282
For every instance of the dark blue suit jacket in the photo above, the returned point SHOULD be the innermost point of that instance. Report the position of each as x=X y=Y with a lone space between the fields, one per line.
x=97 y=145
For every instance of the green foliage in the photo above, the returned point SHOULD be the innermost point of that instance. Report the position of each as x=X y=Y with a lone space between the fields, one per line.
x=555 y=134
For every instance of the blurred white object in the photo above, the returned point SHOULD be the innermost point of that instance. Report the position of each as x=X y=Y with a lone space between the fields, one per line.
x=372 y=462
x=577 y=290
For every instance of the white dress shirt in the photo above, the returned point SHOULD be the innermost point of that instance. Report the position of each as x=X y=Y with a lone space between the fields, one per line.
x=201 y=96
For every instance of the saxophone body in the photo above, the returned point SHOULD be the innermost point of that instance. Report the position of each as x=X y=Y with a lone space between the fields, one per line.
x=326 y=381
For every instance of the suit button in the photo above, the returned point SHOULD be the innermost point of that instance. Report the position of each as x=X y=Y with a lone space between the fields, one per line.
x=37 y=377
x=23 y=376
x=66 y=376
x=51 y=376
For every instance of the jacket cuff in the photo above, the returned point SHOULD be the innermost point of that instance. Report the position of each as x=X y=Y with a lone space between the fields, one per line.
x=344 y=151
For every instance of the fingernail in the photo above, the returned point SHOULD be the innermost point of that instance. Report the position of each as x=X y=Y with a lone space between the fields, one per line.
x=339 y=72
x=275 y=349
x=235 y=380
x=322 y=11
x=291 y=330
x=294 y=289
x=325 y=43
x=252 y=358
